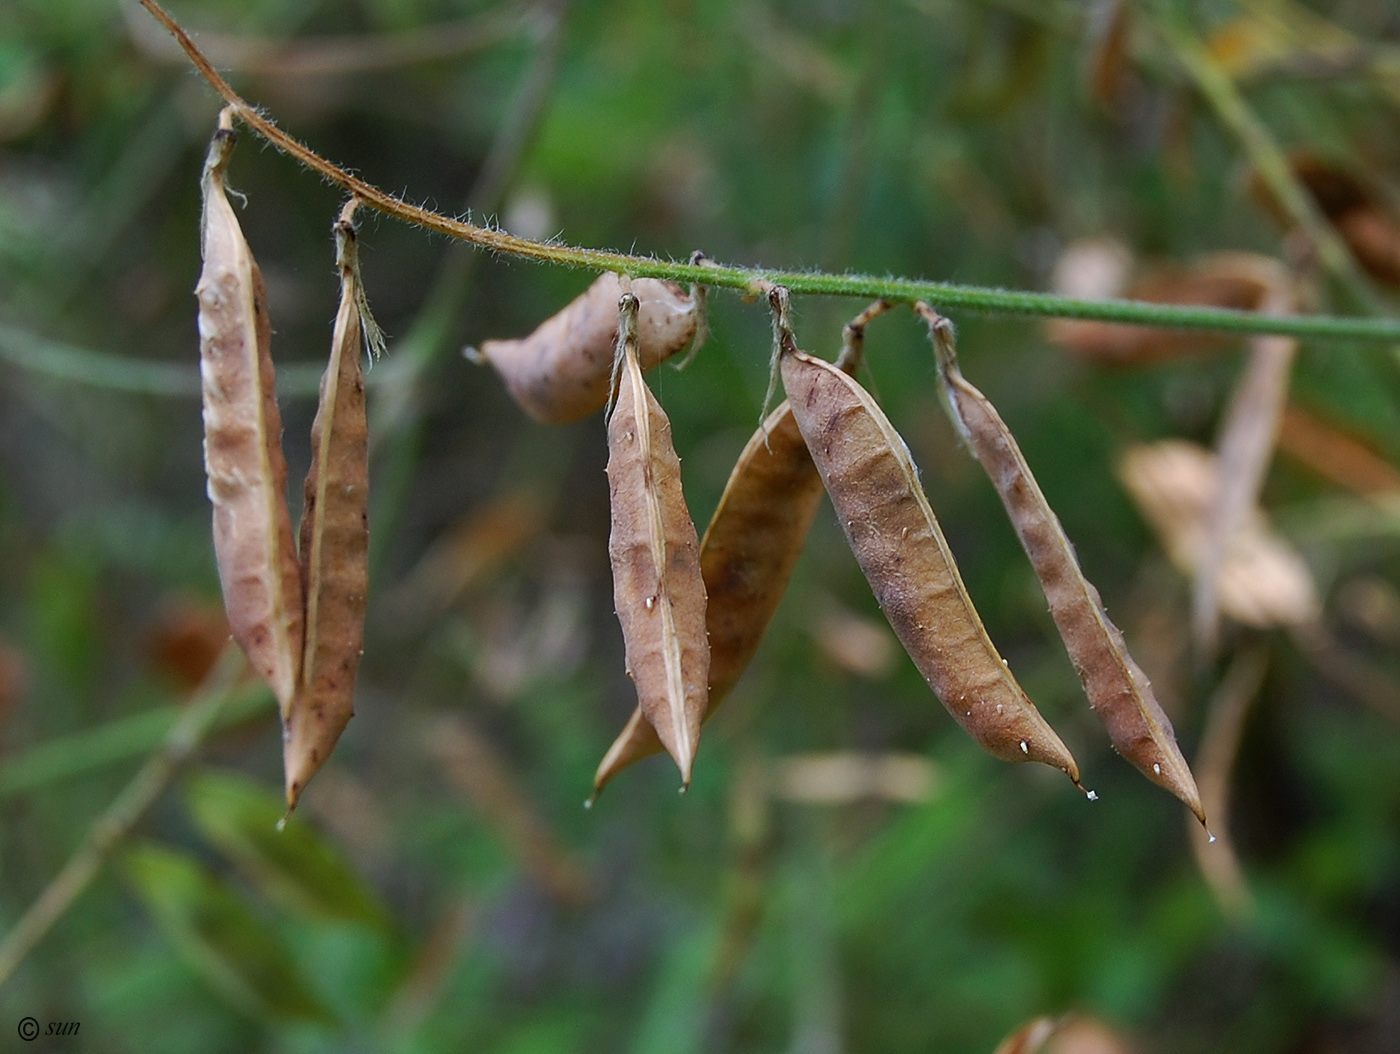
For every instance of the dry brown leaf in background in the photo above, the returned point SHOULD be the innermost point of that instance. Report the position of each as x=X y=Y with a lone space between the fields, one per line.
x=1263 y=581
x=1117 y=689
x=655 y=554
x=470 y=550
x=1231 y=280
x=1215 y=761
x=1360 y=214
x=253 y=543
x=900 y=547
x=477 y=769
x=186 y=639
x=1244 y=448
x=845 y=776
x=560 y=372
x=1336 y=454
x=334 y=536
x=748 y=553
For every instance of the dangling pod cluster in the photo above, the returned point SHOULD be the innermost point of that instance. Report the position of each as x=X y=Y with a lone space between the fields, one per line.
x=693 y=613
x=298 y=613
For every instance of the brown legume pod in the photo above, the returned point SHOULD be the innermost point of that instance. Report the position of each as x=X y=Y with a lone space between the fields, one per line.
x=654 y=550
x=560 y=372
x=1118 y=690
x=243 y=442
x=901 y=549
x=334 y=539
x=748 y=553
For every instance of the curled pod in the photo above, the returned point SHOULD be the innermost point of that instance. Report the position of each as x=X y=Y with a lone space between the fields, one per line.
x=900 y=547
x=247 y=473
x=748 y=553
x=560 y=372
x=655 y=556
x=334 y=538
x=1118 y=690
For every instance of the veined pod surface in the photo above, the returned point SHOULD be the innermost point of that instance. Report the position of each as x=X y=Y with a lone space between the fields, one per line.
x=334 y=538
x=655 y=556
x=1118 y=690
x=561 y=371
x=748 y=553
x=896 y=539
x=247 y=473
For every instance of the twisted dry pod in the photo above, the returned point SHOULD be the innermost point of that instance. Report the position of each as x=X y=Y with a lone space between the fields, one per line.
x=1117 y=688
x=897 y=542
x=253 y=544
x=748 y=553
x=334 y=537
x=654 y=550
x=560 y=372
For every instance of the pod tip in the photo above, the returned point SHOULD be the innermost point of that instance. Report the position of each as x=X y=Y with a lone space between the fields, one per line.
x=588 y=803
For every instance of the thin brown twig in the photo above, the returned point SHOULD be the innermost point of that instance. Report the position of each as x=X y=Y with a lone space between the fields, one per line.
x=120 y=818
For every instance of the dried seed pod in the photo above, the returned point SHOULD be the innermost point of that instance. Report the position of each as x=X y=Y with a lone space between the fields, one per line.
x=873 y=484
x=560 y=372
x=243 y=442
x=334 y=536
x=1117 y=688
x=655 y=555
x=748 y=553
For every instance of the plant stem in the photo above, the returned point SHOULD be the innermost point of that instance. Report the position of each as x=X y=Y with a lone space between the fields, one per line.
x=122 y=373
x=110 y=829
x=945 y=295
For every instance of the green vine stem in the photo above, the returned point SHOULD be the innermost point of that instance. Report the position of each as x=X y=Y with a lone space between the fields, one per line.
x=945 y=294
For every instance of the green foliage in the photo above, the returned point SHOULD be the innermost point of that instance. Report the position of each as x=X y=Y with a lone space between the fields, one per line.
x=220 y=938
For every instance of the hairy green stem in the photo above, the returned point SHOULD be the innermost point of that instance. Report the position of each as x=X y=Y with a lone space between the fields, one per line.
x=946 y=295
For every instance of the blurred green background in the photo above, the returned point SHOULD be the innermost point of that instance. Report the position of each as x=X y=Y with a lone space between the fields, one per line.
x=441 y=888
